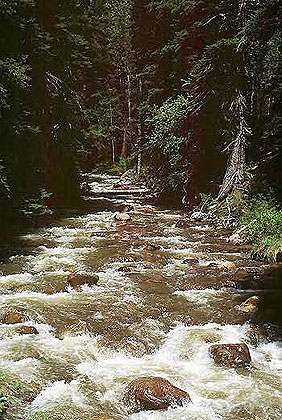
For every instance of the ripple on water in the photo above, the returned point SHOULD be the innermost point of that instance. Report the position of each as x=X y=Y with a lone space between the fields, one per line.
x=216 y=392
x=130 y=323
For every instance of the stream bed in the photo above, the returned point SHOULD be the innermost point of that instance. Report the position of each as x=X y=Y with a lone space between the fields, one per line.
x=166 y=292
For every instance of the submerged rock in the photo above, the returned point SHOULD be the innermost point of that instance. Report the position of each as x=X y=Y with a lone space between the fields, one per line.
x=121 y=186
x=190 y=261
x=123 y=208
x=227 y=265
x=230 y=355
x=26 y=329
x=125 y=269
x=153 y=393
x=250 y=305
x=76 y=329
x=76 y=280
x=197 y=216
x=193 y=340
x=152 y=247
x=12 y=316
x=235 y=239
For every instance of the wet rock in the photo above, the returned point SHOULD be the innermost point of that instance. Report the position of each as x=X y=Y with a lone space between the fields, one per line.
x=85 y=188
x=122 y=217
x=26 y=329
x=128 y=175
x=230 y=355
x=190 y=261
x=12 y=316
x=147 y=209
x=152 y=247
x=210 y=337
x=228 y=265
x=76 y=280
x=212 y=264
x=197 y=216
x=153 y=393
x=125 y=269
x=235 y=239
x=250 y=305
x=120 y=186
x=123 y=208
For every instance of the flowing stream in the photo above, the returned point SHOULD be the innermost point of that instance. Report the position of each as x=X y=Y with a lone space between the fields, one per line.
x=165 y=295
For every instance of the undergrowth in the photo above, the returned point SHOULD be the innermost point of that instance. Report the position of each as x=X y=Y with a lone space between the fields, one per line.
x=262 y=220
x=120 y=167
x=256 y=220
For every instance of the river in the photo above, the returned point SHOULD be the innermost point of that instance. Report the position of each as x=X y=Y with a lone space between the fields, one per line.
x=165 y=293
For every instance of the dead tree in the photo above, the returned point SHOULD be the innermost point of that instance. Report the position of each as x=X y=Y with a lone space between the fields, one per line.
x=235 y=174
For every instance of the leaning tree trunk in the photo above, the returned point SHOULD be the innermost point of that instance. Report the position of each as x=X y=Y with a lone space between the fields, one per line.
x=235 y=174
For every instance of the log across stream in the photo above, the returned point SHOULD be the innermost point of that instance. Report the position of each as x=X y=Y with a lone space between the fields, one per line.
x=168 y=289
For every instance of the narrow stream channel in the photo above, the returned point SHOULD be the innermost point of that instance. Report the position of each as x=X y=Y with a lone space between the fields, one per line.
x=165 y=295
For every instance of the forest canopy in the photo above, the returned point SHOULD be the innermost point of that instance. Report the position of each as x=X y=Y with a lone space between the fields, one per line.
x=191 y=89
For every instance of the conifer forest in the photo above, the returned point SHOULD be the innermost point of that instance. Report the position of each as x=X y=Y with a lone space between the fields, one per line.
x=140 y=209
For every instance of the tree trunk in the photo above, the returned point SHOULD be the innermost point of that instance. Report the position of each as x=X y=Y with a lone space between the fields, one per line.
x=235 y=174
x=112 y=137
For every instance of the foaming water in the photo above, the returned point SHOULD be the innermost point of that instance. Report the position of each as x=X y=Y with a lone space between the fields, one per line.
x=155 y=312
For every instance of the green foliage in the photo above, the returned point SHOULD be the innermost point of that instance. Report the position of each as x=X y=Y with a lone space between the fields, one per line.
x=262 y=222
x=5 y=401
x=8 y=389
x=167 y=138
x=120 y=167
x=34 y=208
x=38 y=416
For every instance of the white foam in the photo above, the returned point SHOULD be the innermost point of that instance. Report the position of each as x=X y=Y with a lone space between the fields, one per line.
x=200 y=297
x=17 y=278
x=59 y=393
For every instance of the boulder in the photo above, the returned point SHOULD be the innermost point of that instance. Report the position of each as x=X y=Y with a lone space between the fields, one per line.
x=230 y=355
x=250 y=305
x=26 y=329
x=122 y=217
x=153 y=393
x=76 y=280
x=12 y=316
